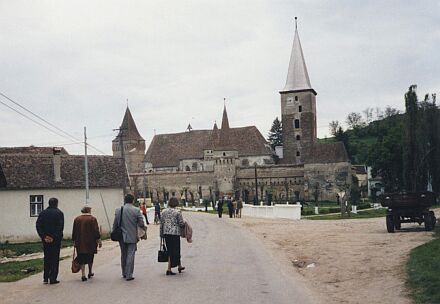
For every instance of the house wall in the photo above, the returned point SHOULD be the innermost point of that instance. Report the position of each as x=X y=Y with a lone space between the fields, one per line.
x=16 y=224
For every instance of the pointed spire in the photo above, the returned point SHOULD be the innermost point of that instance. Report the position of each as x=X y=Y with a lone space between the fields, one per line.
x=189 y=128
x=297 y=75
x=128 y=127
x=225 y=121
x=215 y=125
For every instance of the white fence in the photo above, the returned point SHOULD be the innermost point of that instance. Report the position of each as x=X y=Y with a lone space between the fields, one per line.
x=292 y=212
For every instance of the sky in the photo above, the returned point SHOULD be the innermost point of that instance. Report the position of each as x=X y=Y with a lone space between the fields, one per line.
x=76 y=63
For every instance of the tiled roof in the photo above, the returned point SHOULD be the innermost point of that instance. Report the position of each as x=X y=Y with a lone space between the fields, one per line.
x=30 y=150
x=319 y=153
x=37 y=171
x=166 y=150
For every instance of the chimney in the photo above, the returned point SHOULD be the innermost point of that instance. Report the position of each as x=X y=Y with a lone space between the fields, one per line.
x=57 y=164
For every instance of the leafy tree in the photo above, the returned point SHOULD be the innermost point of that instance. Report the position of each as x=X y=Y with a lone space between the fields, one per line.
x=275 y=137
x=354 y=120
x=333 y=127
x=355 y=191
x=368 y=113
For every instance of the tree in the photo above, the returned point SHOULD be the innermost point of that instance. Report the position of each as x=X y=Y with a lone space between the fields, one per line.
x=355 y=191
x=333 y=127
x=316 y=191
x=368 y=113
x=354 y=120
x=411 y=140
x=389 y=111
x=275 y=137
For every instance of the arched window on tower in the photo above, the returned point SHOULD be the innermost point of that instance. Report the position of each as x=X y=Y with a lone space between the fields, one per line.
x=298 y=137
x=194 y=167
x=298 y=153
x=296 y=123
x=187 y=168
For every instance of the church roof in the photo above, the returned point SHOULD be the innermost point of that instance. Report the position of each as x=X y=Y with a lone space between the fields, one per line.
x=166 y=150
x=129 y=130
x=30 y=150
x=297 y=75
x=322 y=153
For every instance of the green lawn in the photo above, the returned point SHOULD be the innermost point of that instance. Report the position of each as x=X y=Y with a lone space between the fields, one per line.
x=361 y=215
x=423 y=270
x=17 y=249
x=14 y=271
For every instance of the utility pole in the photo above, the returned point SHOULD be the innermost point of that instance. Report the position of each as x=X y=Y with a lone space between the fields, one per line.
x=256 y=184
x=86 y=166
x=121 y=147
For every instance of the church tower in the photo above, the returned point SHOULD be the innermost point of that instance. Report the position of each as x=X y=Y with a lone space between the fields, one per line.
x=298 y=107
x=132 y=143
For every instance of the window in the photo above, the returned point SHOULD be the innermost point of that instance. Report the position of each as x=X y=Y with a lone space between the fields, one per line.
x=296 y=123
x=298 y=137
x=296 y=98
x=187 y=168
x=194 y=167
x=36 y=204
x=300 y=109
x=297 y=153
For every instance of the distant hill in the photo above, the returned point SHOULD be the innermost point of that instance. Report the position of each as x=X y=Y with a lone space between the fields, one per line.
x=360 y=140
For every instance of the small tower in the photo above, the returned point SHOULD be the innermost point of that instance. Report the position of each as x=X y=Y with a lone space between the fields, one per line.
x=298 y=106
x=132 y=143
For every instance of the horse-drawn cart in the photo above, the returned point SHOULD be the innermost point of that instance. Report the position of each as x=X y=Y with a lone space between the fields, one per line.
x=409 y=208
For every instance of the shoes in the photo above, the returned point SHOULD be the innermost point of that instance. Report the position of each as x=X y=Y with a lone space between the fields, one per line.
x=90 y=275
x=130 y=279
x=181 y=269
x=54 y=282
x=45 y=281
x=83 y=279
x=170 y=273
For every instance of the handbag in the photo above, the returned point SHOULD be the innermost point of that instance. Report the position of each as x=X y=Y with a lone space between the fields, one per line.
x=76 y=267
x=116 y=234
x=162 y=255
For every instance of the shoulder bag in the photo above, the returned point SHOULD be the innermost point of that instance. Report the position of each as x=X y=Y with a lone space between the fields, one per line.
x=116 y=234
x=162 y=255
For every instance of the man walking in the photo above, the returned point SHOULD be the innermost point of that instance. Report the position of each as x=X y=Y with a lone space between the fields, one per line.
x=132 y=218
x=50 y=226
x=220 y=207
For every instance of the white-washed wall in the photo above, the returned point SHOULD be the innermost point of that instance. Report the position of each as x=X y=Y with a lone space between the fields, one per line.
x=16 y=224
x=292 y=212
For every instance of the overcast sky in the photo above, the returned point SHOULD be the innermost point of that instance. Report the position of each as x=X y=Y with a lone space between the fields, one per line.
x=75 y=63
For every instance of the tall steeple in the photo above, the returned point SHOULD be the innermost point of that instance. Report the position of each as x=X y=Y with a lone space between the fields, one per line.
x=128 y=127
x=297 y=75
x=225 y=121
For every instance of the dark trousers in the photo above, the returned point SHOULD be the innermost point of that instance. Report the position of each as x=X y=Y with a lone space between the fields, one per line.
x=231 y=212
x=173 y=247
x=51 y=260
x=220 y=211
x=146 y=218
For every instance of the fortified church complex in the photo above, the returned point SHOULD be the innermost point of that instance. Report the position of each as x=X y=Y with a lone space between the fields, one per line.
x=205 y=164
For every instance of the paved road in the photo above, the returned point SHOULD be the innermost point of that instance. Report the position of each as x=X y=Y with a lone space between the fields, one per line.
x=225 y=264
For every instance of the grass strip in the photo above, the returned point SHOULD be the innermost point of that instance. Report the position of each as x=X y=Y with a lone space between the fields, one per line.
x=14 y=271
x=18 y=249
x=360 y=215
x=423 y=270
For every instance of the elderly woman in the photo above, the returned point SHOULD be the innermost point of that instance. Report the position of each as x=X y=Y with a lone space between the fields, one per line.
x=171 y=223
x=86 y=238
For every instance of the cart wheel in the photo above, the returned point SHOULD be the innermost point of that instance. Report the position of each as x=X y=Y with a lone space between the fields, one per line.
x=390 y=224
x=397 y=223
x=433 y=218
x=428 y=221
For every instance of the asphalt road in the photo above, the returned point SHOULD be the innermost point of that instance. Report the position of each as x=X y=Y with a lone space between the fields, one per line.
x=224 y=264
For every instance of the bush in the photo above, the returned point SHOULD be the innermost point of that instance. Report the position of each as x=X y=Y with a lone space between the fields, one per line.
x=324 y=210
x=334 y=210
x=363 y=206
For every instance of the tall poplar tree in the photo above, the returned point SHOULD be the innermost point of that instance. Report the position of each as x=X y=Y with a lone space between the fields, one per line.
x=410 y=159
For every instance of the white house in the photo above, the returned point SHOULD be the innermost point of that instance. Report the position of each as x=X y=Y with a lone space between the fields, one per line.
x=29 y=177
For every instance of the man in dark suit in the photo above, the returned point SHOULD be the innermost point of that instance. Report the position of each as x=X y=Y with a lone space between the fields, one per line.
x=50 y=226
x=132 y=218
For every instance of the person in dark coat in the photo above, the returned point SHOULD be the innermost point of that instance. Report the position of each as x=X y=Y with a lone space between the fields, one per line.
x=50 y=226
x=220 y=207
x=86 y=238
x=156 y=213
x=230 y=208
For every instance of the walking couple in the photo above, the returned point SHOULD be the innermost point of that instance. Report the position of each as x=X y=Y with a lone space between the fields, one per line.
x=129 y=219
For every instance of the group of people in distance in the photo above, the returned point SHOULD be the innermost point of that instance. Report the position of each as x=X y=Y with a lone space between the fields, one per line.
x=234 y=207
x=86 y=236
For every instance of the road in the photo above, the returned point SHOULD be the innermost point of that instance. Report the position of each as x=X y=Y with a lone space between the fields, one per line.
x=224 y=264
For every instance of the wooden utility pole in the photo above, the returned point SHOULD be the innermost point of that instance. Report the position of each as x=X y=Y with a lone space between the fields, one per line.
x=121 y=147
x=86 y=167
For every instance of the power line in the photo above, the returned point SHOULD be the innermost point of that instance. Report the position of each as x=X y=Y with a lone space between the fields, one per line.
x=38 y=116
x=70 y=137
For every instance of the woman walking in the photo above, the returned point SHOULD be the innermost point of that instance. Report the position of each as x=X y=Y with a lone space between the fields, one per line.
x=171 y=223
x=86 y=238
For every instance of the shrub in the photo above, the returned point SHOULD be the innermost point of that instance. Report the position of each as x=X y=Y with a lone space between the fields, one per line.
x=334 y=210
